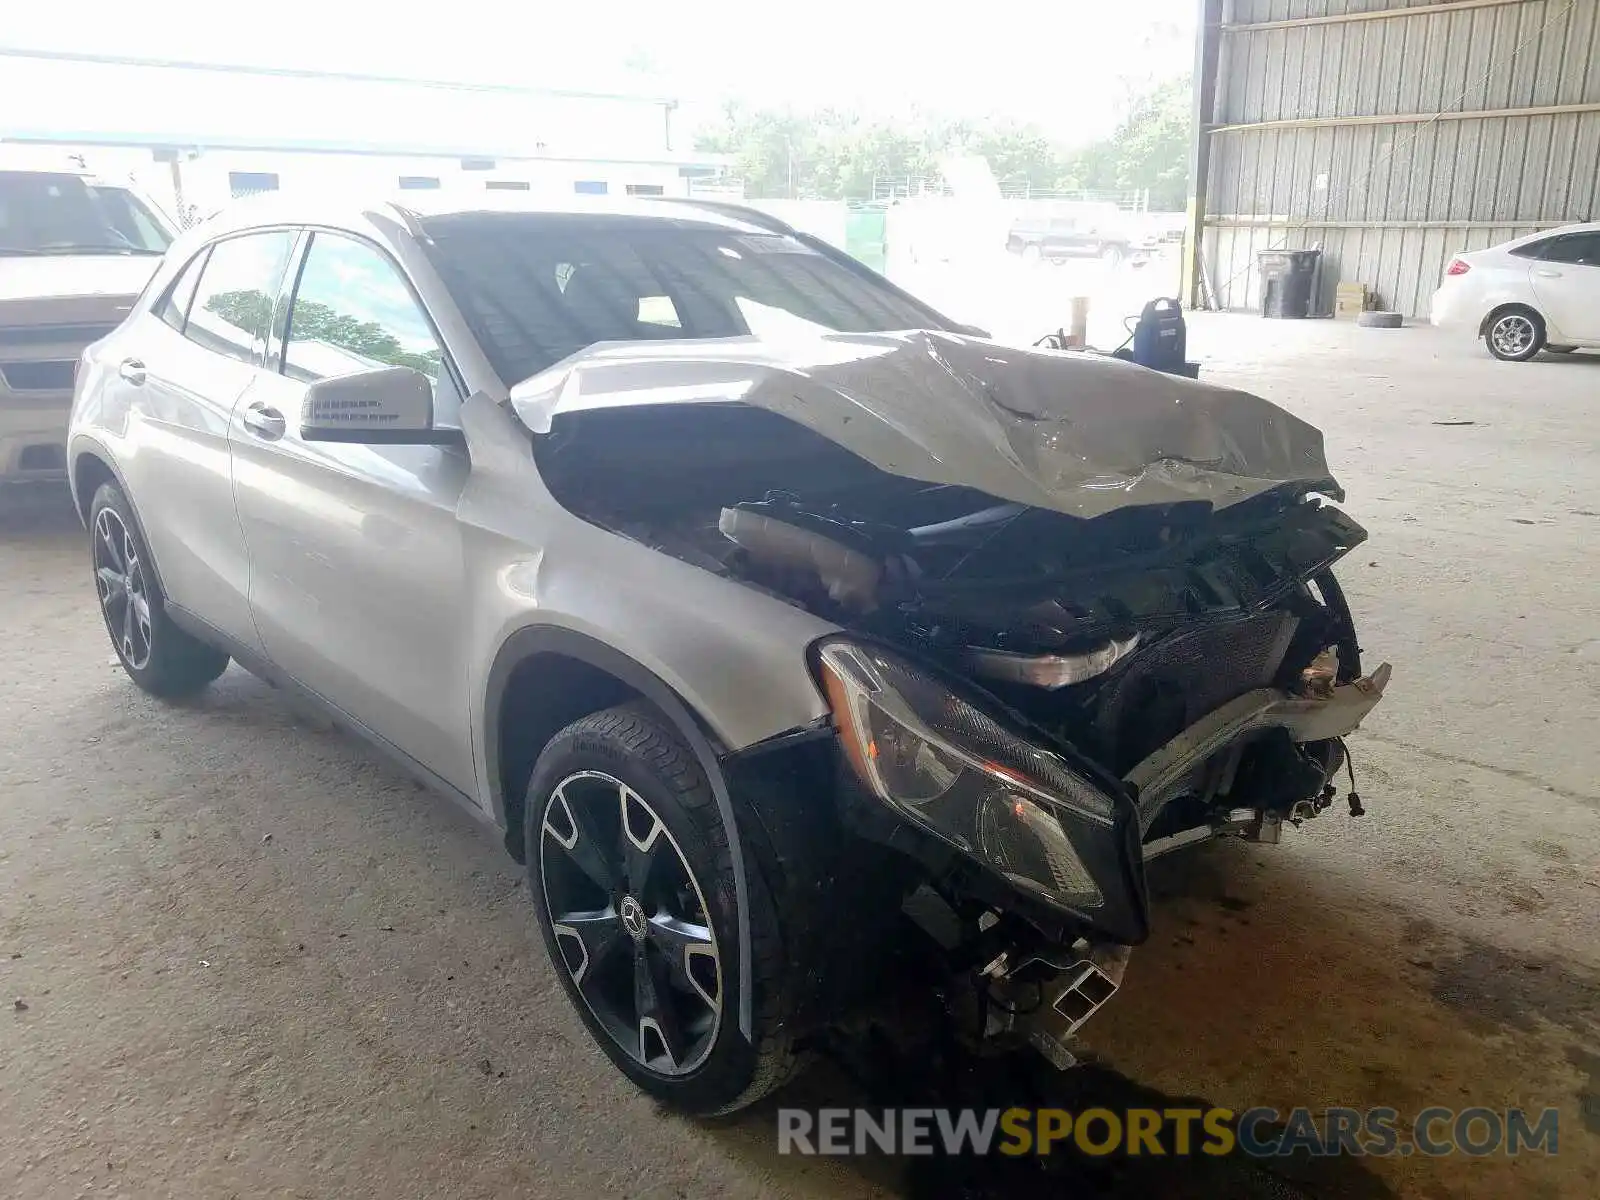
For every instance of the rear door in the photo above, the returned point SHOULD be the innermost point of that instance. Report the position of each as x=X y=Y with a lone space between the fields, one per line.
x=1566 y=280
x=356 y=572
x=180 y=369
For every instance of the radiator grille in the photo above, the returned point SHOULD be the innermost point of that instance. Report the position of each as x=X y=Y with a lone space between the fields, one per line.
x=1172 y=683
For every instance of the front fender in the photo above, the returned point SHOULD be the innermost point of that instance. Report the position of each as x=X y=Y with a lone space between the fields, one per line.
x=723 y=662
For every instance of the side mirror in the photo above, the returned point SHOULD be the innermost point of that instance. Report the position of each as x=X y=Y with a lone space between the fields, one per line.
x=389 y=406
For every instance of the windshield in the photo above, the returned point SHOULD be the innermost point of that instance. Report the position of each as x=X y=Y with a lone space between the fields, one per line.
x=42 y=213
x=536 y=287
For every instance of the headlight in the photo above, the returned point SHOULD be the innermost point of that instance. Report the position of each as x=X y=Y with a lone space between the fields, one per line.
x=959 y=772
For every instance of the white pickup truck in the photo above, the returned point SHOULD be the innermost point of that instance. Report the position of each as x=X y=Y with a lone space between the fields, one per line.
x=74 y=253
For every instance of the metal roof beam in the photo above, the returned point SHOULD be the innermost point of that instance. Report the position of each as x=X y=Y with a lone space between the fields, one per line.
x=1377 y=14
x=1281 y=222
x=1479 y=114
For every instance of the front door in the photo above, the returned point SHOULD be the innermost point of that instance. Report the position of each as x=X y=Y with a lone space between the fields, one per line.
x=356 y=571
x=1566 y=279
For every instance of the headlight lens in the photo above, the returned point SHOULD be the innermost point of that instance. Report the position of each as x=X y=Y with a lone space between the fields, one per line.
x=954 y=769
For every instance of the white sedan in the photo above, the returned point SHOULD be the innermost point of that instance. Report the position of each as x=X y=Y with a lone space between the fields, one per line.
x=1539 y=292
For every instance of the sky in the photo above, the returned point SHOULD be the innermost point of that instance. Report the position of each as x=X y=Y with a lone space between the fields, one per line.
x=1068 y=65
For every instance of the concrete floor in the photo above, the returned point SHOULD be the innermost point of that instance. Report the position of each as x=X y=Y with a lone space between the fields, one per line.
x=254 y=961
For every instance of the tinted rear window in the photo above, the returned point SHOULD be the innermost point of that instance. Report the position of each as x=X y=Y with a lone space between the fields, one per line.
x=1576 y=248
x=536 y=288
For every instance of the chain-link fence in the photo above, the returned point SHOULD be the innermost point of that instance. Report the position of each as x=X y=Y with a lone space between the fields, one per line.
x=906 y=187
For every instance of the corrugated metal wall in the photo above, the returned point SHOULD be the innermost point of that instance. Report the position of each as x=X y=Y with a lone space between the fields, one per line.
x=1391 y=201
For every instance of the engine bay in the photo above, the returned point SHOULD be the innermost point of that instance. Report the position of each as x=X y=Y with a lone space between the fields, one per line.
x=1113 y=634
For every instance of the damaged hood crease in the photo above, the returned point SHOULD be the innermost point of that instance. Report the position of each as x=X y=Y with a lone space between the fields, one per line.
x=1078 y=433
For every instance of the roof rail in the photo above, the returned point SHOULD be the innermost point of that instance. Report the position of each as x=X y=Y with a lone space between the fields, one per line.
x=727 y=208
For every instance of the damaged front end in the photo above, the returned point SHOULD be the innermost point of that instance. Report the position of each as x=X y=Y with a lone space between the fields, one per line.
x=1035 y=687
x=1053 y=732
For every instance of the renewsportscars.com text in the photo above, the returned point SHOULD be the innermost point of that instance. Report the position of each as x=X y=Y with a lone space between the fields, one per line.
x=1256 y=1132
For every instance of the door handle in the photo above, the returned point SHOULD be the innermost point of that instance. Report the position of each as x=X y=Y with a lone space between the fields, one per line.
x=264 y=422
x=1548 y=274
x=132 y=370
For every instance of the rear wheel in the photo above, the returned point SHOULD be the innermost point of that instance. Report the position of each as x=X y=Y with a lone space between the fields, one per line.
x=1515 y=334
x=157 y=655
x=1031 y=253
x=631 y=874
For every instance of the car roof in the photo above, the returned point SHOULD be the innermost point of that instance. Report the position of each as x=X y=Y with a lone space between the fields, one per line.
x=415 y=208
x=1576 y=227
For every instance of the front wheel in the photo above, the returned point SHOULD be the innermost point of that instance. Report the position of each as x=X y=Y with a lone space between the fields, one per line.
x=631 y=874
x=1515 y=335
x=157 y=655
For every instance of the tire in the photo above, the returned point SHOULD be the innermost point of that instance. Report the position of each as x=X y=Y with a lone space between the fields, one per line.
x=1514 y=334
x=1379 y=319
x=1031 y=253
x=158 y=656
x=627 y=764
x=1112 y=256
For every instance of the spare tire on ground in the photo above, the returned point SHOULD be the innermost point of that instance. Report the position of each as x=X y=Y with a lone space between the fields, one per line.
x=1375 y=319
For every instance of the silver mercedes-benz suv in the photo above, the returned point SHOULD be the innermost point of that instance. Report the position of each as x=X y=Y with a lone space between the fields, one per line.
x=801 y=642
x=74 y=252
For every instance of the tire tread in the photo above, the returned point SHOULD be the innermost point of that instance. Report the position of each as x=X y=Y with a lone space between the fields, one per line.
x=639 y=730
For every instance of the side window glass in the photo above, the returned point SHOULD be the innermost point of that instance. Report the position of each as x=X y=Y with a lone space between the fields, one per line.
x=1579 y=249
x=174 y=309
x=353 y=312
x=1531 y=249
x=232 y=308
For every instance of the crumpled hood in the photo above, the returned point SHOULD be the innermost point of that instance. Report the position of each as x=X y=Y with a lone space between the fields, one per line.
x=1079 y=433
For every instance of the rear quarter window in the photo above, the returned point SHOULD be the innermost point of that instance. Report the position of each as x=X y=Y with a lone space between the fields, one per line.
x=173 y=307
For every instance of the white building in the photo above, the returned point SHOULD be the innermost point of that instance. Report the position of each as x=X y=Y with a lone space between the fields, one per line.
x=194 y=135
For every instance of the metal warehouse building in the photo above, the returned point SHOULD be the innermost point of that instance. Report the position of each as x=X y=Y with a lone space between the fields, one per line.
x=1391 y=134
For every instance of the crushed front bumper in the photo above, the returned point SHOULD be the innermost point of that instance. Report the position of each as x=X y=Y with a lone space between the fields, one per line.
x=1085 y=976
x=1163 y=775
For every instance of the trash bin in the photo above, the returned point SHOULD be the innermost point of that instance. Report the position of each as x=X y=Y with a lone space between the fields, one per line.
x=1286 y=278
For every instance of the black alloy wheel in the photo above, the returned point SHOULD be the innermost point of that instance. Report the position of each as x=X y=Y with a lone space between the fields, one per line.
x=630 y=922
x=160 y=657
x=120 y=579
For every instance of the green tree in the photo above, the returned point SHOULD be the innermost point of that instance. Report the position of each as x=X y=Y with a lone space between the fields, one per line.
x=314 y=322
x=246 y=308
x=1149 y=150
x=251 y=310
x=831 y=155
